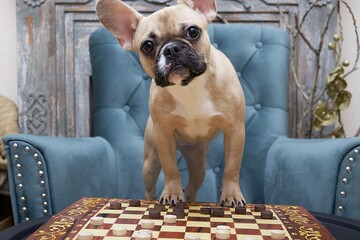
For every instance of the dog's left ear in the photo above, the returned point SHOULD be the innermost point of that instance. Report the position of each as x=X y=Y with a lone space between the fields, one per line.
x=206 y=7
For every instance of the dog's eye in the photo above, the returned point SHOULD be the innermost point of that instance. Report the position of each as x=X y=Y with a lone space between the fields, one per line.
x=193 y=32
x=148 y=46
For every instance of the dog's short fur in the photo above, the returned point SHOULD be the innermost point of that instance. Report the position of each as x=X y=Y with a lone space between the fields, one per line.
x=195 y=93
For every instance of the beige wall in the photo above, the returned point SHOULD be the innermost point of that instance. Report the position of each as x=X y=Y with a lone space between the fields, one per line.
x=8 y=75
x=351 y=117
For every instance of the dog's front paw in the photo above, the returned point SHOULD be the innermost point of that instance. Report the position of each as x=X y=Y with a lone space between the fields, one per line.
x=231 y=195
x=173 y=193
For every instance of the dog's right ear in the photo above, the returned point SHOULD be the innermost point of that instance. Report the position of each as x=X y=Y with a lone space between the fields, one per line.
x=120 y=19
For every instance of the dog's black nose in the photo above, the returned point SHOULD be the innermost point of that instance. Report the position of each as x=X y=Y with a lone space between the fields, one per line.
x=171 y=50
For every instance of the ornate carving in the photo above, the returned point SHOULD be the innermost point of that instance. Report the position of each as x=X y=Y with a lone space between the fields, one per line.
x=245 y=3
x=36 y=113
x=320 y=3
x=34 y=3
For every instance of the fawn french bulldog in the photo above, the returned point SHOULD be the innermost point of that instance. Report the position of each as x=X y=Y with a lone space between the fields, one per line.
x=194 y=94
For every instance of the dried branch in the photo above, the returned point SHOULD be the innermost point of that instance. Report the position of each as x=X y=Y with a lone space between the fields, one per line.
x=316 y=71
x=326 y=28
x=341 y=32
x=302 y=35
x=221 y=18
x=292 y=55
x=357 y=134
x=307 y=12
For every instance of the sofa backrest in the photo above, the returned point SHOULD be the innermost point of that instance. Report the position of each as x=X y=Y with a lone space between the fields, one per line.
x=121 y=91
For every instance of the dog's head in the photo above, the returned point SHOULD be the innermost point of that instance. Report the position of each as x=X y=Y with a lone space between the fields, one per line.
x=173 y=42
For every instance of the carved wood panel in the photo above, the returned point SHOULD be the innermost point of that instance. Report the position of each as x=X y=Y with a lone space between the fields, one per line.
x=54 y=67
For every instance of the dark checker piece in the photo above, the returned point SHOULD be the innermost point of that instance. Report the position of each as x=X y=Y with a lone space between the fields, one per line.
x=154 y=213
x=181 y=205
x=160 y=207
x=134 y=203
x=240 y=210
x=267 y=214
x=217 y=212
x=259 y=208
x=205 y=210
x=115 y=205
x=179 y=212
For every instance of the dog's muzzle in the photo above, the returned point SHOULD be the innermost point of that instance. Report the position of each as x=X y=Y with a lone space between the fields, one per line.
x=180 y=59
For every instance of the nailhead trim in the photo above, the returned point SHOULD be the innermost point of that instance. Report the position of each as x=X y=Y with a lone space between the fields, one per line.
x=345 y=180
x=20 y=157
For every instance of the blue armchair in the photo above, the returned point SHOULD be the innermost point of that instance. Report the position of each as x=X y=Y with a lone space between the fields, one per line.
x=49 y=173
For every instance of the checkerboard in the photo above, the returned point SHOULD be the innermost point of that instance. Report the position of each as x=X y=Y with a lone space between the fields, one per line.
x=295 y=221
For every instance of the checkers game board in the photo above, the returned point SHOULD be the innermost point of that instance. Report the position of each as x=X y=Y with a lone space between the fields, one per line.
x=295 y=221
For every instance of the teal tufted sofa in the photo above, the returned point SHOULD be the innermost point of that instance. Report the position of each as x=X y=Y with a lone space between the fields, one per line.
x=49 y=173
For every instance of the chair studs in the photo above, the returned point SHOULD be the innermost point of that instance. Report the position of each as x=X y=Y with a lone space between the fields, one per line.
x=343 y=194
x=16 y=157
x=35 y=156
x=27 y=219
x=348 y=169
x=14 y=145
x=24 y=209
x=18 y=176
x=43 y=195
x=341 y=208
x=345 y=180
x=20 y=186
x=18 y=166
x=45 y=212
x=42 y=183
x=351 y=160
x=22 y=199
x=45 y=204
x=39 y=163
x=27 y=148
x=357 y=152
x=41 y=173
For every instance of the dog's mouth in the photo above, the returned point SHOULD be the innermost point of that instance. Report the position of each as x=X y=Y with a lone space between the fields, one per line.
x=178 y=64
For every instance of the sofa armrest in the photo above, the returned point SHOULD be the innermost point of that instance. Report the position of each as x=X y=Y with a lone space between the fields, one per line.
x=319 y=174
x=46 y=174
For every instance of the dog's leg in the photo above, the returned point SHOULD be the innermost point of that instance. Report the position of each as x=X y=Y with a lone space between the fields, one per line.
x=195 y=156
x=152 y=166
x=234 y=140
x=166 y=146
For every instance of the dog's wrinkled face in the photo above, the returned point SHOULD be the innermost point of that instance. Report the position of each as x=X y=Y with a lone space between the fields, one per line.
x=174 y=45
x=173 y=42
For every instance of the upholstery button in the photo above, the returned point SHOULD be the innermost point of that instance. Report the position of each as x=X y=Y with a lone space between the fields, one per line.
x=257 y=106
x=238 y=74
x=215 y=45
x=126 y=108
x=145 y=76
x=216 y=170
x=259 y=44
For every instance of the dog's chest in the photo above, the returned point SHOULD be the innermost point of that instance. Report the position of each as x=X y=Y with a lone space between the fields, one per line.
x=195 y=107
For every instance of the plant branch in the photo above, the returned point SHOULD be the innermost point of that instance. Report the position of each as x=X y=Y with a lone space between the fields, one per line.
x=292 y=55
x=316 y=70
x=357 y=134
x=302 y=35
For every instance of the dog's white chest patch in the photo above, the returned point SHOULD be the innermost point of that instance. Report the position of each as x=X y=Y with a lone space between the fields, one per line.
x=193 y=103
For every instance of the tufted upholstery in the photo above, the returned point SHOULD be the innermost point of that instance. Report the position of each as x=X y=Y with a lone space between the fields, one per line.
x=275 y=169
x=128 y=106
